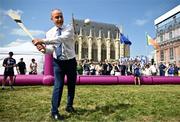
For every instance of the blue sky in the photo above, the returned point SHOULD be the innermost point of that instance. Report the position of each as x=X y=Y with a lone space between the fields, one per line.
x=135 y=16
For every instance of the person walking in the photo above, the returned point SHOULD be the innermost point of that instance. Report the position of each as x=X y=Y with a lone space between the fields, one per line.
x=60 y=42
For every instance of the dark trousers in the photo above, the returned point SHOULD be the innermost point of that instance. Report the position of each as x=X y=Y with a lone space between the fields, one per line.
x=162 y=73
x=62 y=68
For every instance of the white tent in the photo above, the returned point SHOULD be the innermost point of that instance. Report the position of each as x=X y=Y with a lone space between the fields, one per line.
x=27 y=51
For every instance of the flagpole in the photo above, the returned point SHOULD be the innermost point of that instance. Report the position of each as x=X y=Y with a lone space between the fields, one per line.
x=146 y=44
x=146 y=50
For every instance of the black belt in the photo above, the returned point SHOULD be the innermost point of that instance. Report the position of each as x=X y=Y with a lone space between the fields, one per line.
x=64 y=60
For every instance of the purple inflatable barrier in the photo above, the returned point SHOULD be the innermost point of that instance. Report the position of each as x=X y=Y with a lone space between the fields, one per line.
x=146 y=80
x=166 y=80
x=48 y=78
x=97 y=80
x=21 y=80
x=48 y=68
x=28 y=80
x=125 y=80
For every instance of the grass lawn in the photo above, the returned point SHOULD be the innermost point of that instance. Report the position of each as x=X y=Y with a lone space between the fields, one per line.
x=94 y=103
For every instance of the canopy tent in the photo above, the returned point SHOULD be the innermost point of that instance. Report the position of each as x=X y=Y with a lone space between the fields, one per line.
x=27 y=51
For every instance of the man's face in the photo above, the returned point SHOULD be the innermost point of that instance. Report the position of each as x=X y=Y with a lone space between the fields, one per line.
x=57 y=18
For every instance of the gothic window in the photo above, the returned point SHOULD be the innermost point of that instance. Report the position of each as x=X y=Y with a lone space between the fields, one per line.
x=76 y=48
x=94 y=52
x=84 y=50
x=103 y=52
x=112 y=52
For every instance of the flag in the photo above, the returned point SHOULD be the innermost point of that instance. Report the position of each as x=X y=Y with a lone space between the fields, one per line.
x=124 y=39
x=152 y=42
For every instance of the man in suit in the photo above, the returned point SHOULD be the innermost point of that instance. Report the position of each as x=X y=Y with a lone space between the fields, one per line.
x=60 y=42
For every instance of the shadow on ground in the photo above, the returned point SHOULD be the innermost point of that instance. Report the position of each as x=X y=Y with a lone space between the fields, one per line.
x=101 y=111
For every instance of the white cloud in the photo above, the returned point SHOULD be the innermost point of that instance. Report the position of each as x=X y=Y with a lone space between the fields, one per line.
x=20 y=32
x=16 y=42
x=141 y=22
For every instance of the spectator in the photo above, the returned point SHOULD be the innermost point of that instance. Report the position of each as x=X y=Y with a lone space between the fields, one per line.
x=170 y=70
x=21 y=67
x=123 y=69
x=33 y=67
x=162 y=69
x=153 y=69
x=176 y=70
x=107 y=67
x=99 y=69
x=113 y=70
x=92 y=69
x=129 y=68
x=86 y=67
x=137 y=74
x=79 y=68
x=9 y=63
x=147 y=71
x=117 y=69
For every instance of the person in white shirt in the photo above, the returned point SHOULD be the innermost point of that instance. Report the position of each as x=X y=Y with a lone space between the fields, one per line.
x=146 y=71
x=33 y=67
x=153 y=69
x=60 y=42
x=98 y=68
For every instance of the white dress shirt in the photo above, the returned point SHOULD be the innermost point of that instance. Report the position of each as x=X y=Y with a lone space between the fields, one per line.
x=66 y=38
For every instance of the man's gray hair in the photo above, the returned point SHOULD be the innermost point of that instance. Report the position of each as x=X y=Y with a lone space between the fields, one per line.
x=56 y=9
